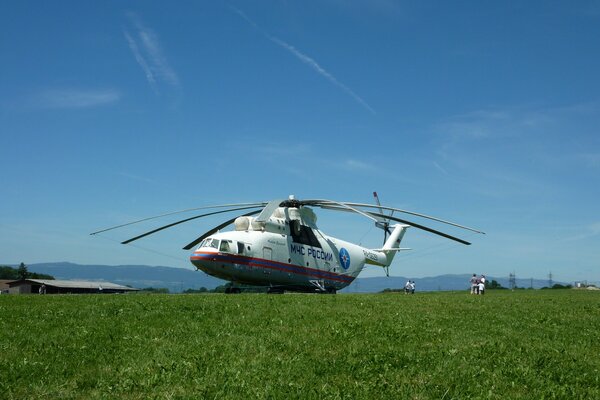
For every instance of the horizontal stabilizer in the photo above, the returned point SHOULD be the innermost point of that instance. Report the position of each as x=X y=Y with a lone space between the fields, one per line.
x=398 y=249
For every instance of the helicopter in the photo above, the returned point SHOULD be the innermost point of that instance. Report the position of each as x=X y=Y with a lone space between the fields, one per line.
x=282 y=248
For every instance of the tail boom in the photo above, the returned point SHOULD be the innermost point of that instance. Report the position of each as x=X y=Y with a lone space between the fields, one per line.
x=383 y=257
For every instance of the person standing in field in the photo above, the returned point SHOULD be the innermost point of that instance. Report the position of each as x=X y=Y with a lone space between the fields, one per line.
x=407 y=287
x=482 y=284
x=412 y=287
x=473 y=282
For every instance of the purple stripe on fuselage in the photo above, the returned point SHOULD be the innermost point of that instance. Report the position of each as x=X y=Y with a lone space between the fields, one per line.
x=260 y=262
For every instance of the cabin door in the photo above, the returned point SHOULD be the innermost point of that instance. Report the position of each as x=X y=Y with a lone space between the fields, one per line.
x=267 y=253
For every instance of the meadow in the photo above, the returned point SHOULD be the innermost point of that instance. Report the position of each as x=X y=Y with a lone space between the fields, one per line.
x=528 y=344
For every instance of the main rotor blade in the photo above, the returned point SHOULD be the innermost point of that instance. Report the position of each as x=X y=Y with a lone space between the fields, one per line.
x=337 y=205
x=422 y=227
x=260 y=204
x=268 y=210
x=181 y=222
x=328 y=204
x=215 y=229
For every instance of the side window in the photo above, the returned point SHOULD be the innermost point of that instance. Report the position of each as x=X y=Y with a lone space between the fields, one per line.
x=225 y=246
x=240 y=247
x=312 y=238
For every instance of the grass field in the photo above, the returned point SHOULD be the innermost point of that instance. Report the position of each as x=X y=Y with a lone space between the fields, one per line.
x=444 y=345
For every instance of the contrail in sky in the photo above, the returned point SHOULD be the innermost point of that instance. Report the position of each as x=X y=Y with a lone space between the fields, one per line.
x=305 y=59
x=140 y=59
x=149 y=55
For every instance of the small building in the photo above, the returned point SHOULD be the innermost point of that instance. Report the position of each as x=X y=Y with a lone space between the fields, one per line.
x=4 y=285
x=55 y=286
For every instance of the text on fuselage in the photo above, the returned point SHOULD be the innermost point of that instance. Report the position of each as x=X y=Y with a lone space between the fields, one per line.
x=309 y=251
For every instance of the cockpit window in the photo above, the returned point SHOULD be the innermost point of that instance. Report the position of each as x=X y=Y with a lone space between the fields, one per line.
x=212 y=243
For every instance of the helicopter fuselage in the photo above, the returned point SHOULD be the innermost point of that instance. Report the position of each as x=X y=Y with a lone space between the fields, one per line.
x=283 y=254
x=269 y=259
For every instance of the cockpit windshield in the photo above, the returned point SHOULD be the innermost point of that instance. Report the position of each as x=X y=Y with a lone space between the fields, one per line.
x=210 y=242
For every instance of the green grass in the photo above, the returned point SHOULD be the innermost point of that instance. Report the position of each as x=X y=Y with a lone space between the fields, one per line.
x=523 y=344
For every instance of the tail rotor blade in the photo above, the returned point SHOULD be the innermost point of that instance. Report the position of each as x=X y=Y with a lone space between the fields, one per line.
x=384 y=225
x=378 y=202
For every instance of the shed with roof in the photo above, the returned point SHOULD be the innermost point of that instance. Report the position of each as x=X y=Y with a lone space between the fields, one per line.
x=56 y=286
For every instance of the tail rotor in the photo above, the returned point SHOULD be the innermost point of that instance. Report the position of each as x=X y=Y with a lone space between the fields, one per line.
x=384 y=223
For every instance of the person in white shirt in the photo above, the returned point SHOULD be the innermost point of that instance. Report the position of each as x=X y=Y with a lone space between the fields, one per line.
x=481 y=284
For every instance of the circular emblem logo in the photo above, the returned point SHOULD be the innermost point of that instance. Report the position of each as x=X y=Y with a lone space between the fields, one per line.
x=344 y=258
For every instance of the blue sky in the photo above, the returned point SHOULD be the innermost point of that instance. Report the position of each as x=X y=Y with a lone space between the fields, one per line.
x=482 y=113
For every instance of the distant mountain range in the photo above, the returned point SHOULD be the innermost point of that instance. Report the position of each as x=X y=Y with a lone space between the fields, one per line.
x=138 y=276
x=180 y=279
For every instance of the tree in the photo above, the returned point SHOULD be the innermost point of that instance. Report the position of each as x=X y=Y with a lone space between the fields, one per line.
x=155 y=290
x=495 y=285
x=22 y=271
x=559 y=286
x=201 y=290
x=7 y=272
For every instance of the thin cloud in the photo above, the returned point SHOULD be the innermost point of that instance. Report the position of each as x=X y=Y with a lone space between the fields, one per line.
x=588 y=232
x=146 y=49
x=439 y=168
x=306 y=59
x=296 y=150
x=303 y=155
x=136 y=178
x=351 y=165
x=75 y=98
x=356 y=165
x=591 y=160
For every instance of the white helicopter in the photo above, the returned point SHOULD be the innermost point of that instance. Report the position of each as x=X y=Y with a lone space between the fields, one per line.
x=283 y=250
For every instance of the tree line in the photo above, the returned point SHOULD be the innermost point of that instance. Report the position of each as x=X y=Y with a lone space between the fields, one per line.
x=8 y=272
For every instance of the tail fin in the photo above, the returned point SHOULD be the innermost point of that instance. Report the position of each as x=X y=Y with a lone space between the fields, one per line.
x=392 y=245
